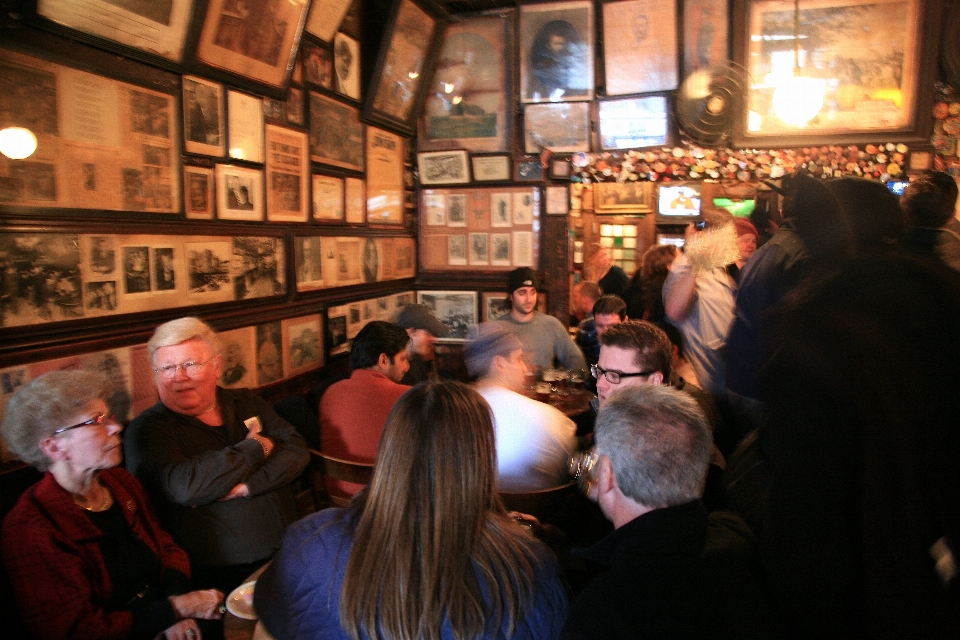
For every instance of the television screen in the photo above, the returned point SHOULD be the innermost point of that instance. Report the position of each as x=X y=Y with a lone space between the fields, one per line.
x=897 y=186
x=741 y=207
x=679 y=200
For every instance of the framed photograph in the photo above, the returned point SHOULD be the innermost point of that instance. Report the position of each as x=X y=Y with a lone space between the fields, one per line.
x=492 y=168
x=288 y=175
x=253 y=45
x=493 y=305
x=500 y=249
x=501 y=214
x=528 y=169
x=198 y=193
x=328 y=198
x=558 y=200
x=627 y=197
x=479 y=249
x=410 y=40
x=295 y=107
x=308 y=257
x=317 y=64
x=157 y=29
x=443 y=167
x=346 y=66
x=467 y=104
x=522 y=248
x=706 y=25
x=640 y=46
x=336 y=133
x=325 y=17
x=245 y=126
x=203 y=122
x=275 y=110
x=239 y=193
x=456 y=309
x=860 y=76
x=633 y=123
x=302 y=344
x=384 y=177
x=556 y=51
x=559 y=169
x=355 y=200
x=457 y=249
x=562 y=127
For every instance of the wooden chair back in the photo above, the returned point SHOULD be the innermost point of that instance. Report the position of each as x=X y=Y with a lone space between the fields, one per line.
x=323 y=466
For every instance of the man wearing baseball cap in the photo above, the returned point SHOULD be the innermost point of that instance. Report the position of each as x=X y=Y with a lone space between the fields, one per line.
x=544 y=338
x=424 y=329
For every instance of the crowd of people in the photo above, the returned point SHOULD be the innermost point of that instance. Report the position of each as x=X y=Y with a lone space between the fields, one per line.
x=774 y=455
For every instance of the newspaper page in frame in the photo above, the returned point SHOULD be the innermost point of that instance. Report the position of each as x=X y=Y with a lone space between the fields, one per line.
x=102 y=144
x=325 y=17
x=288 y=170
x=384 y=177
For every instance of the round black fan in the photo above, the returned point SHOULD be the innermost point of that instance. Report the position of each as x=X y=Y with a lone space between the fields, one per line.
x=709 y=101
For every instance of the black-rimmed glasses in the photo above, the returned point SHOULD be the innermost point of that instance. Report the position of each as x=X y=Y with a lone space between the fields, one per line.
x=190 y=367
x=613 y=377
x=99 y=420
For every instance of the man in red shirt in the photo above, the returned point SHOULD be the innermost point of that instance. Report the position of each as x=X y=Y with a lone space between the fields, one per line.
x=352 y=411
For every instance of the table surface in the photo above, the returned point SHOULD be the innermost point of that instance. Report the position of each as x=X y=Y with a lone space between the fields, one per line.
x=236 y=628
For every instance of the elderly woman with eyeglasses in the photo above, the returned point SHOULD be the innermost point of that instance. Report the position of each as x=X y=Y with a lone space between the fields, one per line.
x=84 y=551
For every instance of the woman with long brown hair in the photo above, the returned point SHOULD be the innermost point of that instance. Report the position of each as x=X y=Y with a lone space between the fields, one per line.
x=426 y=551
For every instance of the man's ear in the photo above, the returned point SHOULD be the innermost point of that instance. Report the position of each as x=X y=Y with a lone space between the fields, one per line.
x=384 y=361
x=606 y=481
x=410 y=331
x=656 y=378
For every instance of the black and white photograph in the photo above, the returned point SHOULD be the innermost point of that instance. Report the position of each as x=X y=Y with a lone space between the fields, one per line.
x=495 y=304
x=523 y=207
x=198 y=193
x=457 y=249
x=103 y=255
x=309 y=260
x=114 y=365
x=337 y=332
x=556 y=51
x=100 y=296
x=456 y=309
x=208 y=268
x=237 y=350
x=371 y=260
x=443 y=167
x=479 y=248
x=500 y=256
x=500 y=210
x=435 y=206
x=457 y=213
x=203 y=125
x=260 y=262
x=269 y=353
x=136 y=270
x=346 y=65
x=41 y=278
x=240 y=193
x=302 y=343
x=164 y=267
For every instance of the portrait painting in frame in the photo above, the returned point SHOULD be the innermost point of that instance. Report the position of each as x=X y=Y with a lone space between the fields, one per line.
x=640 y=46
x=556 y=51
x=466 y=105
x=336 y=133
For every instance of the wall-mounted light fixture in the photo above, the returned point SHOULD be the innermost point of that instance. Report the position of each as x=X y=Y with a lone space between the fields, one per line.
x=17 y=143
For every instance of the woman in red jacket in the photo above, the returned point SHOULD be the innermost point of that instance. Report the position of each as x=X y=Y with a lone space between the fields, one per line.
x=82 y=547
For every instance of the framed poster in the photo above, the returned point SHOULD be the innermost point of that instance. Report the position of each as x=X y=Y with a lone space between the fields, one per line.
x=346 y=66
x=467 y=104
x=558 y=200
x=706 y=24
x=288 y=175
x=492 y=168
x=355 y=200
x=317 y=64
x=327 y=198
x=155 y=28
x=860 y=75
x=633 y=123
x=639 y=46
x=626 y=197
x=443 y=167
x=245 y=126
x=198 y=193
x=203 y=122
x=396 y=89
x=325 y=17
x=561 y=127
x=556 y=51
x=336 y=133
x=456 y=309
x=239 y=193
x=384 y=177
x=254 y=43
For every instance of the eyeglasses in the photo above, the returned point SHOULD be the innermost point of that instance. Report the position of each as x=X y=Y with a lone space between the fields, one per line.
x=99 y=420
x=613 y=377
x=190 y=367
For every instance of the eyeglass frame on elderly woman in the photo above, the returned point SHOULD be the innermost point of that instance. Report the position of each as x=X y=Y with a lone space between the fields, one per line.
x=596 y=371
x=190 y=368
x=98 y=420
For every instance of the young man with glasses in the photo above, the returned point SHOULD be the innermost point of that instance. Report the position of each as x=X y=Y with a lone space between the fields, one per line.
x=218 y=463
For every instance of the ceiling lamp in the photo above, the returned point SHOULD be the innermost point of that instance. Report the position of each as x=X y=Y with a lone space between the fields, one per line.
x=797 y=99
x=17 y=143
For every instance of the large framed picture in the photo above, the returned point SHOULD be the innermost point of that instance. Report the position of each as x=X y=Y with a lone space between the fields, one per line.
x=633 y=123
x=443 y=167
x=456 y=309
x=467 y=103
x=706 y=25
x=245 y=126
x=255 y=43
x=556 y=51
x=154 y=31
x=639 y=46
x=562 y=127
x=336 y=133
x=384 y=177
x=288 y=175
x=239 y=193
x=623 y=197
x=409 y=43
x=854 y=74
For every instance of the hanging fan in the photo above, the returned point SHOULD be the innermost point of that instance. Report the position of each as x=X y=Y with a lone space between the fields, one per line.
x=710 y=100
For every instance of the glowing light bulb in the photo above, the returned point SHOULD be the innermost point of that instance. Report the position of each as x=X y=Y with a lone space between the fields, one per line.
x=17 y=143
x=798 y=99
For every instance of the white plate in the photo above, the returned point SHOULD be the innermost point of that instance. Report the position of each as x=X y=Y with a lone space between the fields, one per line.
x=240 y=601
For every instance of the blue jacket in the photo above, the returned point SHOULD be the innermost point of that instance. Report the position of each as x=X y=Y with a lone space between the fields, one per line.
x=298 y=596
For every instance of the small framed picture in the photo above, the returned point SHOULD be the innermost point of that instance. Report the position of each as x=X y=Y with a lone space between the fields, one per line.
x=355 y=201
x=491 y=168
x=346 y=66
x=245 y=126
x=495 y=304
x=558 y=200
x=456 y=309
x=562 y=127
x=203 y=125
x=443 y=167
x=328 y=198
x=198 y=193
x=239 y=193
x=288 y=175
x=528 y=169
x=295 y=107
x=317 y=64
x=632 y=123
x=559 y=169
